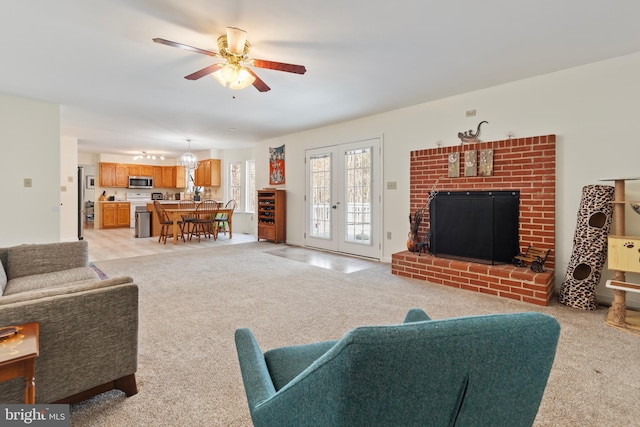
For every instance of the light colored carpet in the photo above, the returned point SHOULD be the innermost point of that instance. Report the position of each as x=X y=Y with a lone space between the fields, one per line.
x=191 y=303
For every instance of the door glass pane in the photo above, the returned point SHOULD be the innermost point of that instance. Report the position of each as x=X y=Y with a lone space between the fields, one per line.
x=358 y=195
x=320 y=224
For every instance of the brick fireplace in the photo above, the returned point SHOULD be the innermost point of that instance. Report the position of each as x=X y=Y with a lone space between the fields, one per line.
x=524 y=164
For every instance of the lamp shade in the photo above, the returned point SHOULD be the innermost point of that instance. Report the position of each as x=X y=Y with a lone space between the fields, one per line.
x=245 y=78
x=235 y=40
x=230 y=72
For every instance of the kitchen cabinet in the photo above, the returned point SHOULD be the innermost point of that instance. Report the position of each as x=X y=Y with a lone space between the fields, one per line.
x=141 y=170
x=107 y=176
x=114 y=175
x=173 y=177
x=122 y=175
x=117 y=175
x=208 y=173
x=157 y=176
x=272 y=223
x=115 y=214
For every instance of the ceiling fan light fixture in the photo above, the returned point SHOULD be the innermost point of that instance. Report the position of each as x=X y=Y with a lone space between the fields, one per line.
x=235 y=40
x=230 y=72
x=245 y=78
x=218 y=76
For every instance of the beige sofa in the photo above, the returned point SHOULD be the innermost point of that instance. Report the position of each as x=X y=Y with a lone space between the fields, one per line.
x=88 y=326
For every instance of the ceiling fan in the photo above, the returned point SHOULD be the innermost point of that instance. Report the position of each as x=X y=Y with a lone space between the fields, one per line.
x=234 y=49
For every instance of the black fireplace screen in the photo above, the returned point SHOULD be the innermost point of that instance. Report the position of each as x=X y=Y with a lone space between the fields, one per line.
x=479 y=226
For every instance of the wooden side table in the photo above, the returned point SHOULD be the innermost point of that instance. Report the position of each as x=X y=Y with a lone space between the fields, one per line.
x=18 y=358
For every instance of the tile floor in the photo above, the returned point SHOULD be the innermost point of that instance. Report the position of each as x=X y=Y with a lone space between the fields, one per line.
x=121 y=243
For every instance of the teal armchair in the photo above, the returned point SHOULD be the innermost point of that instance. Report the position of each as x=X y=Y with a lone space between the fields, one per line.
x=469 y=371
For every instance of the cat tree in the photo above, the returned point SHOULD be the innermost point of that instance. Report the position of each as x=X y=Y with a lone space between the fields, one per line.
x=624 y=256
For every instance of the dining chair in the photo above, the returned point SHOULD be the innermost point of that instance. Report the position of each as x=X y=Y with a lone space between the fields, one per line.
x=205 y=221
x=166 y=224
x=187 y=218
x=222 y=219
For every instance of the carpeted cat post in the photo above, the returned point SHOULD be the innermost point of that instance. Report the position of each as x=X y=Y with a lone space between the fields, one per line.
x=589 y=248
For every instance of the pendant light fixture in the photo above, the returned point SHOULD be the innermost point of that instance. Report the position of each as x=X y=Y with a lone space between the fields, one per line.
x=188 y=159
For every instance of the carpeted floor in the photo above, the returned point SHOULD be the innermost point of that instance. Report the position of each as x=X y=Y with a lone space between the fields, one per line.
x=191 y=302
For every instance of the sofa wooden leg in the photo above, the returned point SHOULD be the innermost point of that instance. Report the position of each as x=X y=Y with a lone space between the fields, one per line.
x=127 y=384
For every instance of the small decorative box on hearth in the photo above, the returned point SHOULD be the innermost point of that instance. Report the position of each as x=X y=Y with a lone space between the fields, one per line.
x=272 y=224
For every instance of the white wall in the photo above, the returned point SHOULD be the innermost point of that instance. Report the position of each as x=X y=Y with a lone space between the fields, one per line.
x=68 y=189
x=592 y=109
x=29 y=148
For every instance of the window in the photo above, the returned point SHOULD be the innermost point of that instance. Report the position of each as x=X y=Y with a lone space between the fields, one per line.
x=235 y=184
x=190 y=180
x=251 y=186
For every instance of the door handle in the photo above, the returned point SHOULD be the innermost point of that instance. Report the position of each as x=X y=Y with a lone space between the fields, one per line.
x=334 y=207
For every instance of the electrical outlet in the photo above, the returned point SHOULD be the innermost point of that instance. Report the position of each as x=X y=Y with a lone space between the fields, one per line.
x=392 y=185
x=63 y=188
x=388 y=235
x=27 y=182
x=470 y=113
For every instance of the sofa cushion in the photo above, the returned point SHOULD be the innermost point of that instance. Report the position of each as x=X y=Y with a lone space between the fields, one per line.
x=49 y=280
x=27 y=260
x=3 y=279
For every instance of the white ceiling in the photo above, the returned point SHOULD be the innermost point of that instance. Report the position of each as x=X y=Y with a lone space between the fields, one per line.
x=121 y=93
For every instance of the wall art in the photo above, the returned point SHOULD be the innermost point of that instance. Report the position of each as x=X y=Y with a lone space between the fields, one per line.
x=276 y=165
x=470 y=163
x=454 y=165
x=485 y=164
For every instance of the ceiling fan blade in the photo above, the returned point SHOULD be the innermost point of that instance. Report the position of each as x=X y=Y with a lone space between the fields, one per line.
x=204 y=72
x=258 y=83
x=280 y=66
x=186 y=47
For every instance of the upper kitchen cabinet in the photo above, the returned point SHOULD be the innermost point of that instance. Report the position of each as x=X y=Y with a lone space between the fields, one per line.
x=208 y=173
x=117 y=175
x=140 y=170
x=173 y=177
x=157 y=176
x=114 y=175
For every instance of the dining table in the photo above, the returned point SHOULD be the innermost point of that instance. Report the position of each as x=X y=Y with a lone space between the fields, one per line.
x=176 y=215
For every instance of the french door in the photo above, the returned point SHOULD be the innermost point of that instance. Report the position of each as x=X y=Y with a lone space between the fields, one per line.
x=343 y=198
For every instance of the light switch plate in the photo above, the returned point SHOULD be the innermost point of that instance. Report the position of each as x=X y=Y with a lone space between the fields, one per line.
x=392 y=185
x=27 y=182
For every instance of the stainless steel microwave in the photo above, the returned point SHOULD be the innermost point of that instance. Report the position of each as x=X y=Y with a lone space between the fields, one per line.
x=140 y=182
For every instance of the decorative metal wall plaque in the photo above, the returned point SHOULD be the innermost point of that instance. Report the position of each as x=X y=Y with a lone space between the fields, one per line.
x=485 y=165
x=454 y=165
x=470 y=166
